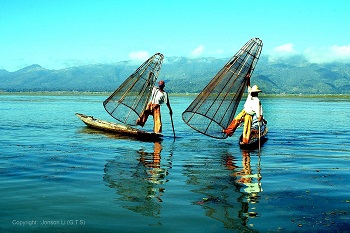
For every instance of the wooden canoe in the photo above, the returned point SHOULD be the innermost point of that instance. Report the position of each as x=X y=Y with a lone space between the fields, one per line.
x=120 y=129
x=254 y=140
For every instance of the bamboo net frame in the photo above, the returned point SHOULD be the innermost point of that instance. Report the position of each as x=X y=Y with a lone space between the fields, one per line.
x=215 y=107
x=129 y=100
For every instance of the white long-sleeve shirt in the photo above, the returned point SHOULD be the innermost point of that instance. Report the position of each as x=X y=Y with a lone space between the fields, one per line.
x=252 y=105
x=159 y=97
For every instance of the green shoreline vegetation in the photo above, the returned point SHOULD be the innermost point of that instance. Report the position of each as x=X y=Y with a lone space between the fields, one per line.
x=79 y=93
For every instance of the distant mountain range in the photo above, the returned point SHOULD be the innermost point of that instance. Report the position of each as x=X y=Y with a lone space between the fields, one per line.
x=293 y=75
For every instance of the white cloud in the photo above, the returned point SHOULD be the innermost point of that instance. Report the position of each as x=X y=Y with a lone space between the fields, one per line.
x=281 y=51
x=341 y=50
x=139 y=55
x=334 y=53
x=197 y=51
x=284 y=49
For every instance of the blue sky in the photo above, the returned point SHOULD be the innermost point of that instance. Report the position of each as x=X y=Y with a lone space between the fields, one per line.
x=62 y=33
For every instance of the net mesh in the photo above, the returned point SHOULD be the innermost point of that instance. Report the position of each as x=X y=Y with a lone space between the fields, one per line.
x=130 y=99
x=215 y=107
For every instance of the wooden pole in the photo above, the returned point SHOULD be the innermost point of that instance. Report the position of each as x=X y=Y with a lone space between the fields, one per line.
x=172 y=124
x=259 y=137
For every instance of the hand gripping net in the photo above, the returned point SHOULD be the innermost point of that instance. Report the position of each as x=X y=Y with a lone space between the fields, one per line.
x=215 y=107
x=130 y=99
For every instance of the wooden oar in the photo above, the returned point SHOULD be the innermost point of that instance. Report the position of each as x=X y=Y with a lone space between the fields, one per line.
x=172 y=124
x=259 y=136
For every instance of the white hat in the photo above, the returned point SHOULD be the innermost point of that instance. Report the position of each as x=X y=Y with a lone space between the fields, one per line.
x=255 y=88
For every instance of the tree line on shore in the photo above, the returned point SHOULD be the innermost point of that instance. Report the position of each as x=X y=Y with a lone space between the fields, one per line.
x=292 y=75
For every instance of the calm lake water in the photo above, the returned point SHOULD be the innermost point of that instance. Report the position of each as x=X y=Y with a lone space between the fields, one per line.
x=57 y=175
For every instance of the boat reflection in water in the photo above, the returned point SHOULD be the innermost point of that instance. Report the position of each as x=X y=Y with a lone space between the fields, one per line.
x=155 y=173
x=249 y=181
x=214 y=180
x=139 y=182
x=229 y=192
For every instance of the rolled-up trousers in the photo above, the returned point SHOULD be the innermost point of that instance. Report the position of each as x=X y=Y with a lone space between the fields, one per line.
x=242 y=116
x=153 y=110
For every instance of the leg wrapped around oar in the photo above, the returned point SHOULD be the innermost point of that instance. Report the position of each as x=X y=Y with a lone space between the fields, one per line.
x=247 y=128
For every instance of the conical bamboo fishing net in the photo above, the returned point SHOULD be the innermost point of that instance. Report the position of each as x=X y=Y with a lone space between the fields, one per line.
x=130 y=99
x=215 y=107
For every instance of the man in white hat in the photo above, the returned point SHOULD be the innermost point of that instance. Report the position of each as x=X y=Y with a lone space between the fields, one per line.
x=252 y=107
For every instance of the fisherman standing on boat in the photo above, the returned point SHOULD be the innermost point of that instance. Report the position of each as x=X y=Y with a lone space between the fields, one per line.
x=252 y=110
x=158 y=97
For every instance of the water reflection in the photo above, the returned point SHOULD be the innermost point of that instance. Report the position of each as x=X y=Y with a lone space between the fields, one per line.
x=139 y=181
x=152 y=162
x=248 y=177
x=229 y=191
x=249 y=181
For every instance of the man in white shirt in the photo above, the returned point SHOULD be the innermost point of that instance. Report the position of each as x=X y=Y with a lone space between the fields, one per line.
x=158 y=97
x=252 y=107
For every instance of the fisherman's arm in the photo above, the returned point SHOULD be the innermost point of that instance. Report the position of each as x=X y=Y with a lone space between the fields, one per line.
x=248 y=80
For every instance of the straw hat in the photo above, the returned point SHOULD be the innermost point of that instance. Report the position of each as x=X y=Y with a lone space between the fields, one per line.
x=255 y=88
